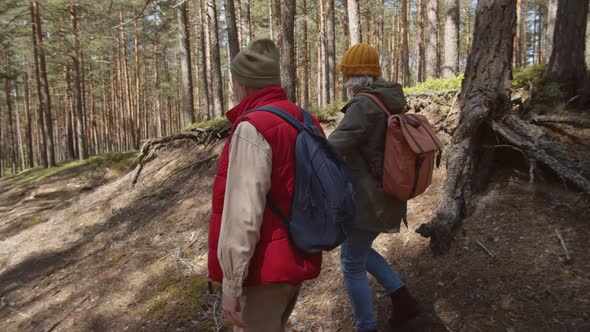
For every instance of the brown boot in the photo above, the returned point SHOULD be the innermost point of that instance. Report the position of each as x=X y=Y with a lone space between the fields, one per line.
x=404 y=306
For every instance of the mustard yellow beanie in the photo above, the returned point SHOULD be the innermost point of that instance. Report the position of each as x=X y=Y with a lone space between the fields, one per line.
x=360 y=60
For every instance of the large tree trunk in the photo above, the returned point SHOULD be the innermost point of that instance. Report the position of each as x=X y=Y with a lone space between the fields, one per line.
x=405 y=45
x=567 y=65
x=485 y=95
x=216 y=78
x=451 y=63
x=80 y=128
x=432 y=60
x=288 y=63
x=330 y=52
x=186 y=68
x=354 y=21
x=588 y=42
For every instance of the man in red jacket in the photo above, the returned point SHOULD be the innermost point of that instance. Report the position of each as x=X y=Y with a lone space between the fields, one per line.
x=249 y=248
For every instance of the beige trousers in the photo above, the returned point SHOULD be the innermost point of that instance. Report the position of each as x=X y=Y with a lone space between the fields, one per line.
x=267 y=308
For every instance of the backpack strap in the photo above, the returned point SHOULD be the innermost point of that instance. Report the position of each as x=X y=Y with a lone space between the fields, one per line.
x=283 y=115
x=377 y=101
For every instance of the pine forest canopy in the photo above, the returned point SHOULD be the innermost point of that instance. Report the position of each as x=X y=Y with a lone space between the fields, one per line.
x=88 y=77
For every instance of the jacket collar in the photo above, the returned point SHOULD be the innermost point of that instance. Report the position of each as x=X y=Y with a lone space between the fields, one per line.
x=259 y=98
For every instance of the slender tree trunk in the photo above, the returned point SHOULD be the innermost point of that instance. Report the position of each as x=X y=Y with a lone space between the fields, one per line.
x=330 y=52
x=587 y=42
x=1 y=145
x=204 y=72
x=420 y=58
x=68 y=111
x=216 y=78
x=432 y=46
x=131 y=139
x=30 y=158
x=354 y=21
x=288 y=62
x=185 y=64
x=43 y=126
x=233 y=41
x=405 y=46
x=238 y=6
x=138 y=95
x=485 y=95
x=249 y=24
x=523 y=34
x=567 y=66
x=80 y=130
x=8 y=91
x=451 y=62
x=306 y=80
x=19 y=133
x=323 y=85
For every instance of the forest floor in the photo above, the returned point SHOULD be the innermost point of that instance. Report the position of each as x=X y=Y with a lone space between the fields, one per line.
x=83 y=250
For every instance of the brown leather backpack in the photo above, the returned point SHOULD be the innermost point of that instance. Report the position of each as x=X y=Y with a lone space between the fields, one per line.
x=411 y=151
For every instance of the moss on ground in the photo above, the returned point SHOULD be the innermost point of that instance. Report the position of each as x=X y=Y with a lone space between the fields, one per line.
x=180 y=298
x=213 y=124
x=118 y=162
x=438 y=84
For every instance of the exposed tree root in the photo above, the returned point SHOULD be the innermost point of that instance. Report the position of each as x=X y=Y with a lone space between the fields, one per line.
x=575 y=121
x=151 y=147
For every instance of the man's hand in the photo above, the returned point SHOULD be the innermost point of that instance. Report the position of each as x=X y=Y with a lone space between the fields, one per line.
x=231 y=308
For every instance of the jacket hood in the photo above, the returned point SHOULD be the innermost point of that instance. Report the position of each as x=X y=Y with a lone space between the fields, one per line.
x=391 y=94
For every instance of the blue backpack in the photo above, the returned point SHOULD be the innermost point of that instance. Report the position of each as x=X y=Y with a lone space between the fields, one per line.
x=323 y=208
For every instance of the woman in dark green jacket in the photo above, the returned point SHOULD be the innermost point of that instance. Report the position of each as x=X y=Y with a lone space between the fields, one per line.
x=360 y=138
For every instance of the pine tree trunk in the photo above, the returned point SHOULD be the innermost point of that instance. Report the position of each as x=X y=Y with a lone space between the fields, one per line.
x=128 y=97
x=432 y=59
x=249 y=24
x=330 y=52
x=138 y=95
x=523 y=33
x=232 y=29
x=323 y=80
x=567 y=65
x=68 y=111
x=306 y=62
x=19 y=133
x=1 y=145
x=288 y=63
x=8 y=90
x=354 y=21
x=277 y=24
x=186 y=68
x=238 y=6
x=216 y=78
x=30 y=147
x=202 y=56
x=405 y=46
x=420 y=58
x=80 y=129
x=47 y=154
x=451 y=62
x=157 y=104
x=468 y=29
x=551 y=16
x=485 y=95
x=587 y=42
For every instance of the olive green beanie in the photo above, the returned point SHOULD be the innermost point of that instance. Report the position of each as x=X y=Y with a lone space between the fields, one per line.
x=257 y=65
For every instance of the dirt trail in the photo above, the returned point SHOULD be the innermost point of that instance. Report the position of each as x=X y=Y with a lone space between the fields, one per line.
x=117 y=258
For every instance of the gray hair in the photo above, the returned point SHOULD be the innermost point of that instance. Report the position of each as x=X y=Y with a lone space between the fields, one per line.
x=356 y=83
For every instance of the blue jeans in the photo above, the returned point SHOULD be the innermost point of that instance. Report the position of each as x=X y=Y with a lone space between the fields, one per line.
x=357 y=258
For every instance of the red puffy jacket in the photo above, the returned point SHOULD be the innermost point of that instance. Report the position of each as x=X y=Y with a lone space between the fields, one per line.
x=275 y=259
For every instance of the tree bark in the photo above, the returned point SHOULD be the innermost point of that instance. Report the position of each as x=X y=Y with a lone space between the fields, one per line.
x=30 y=158
x=432 y=59
x=128 y=96
x=249 y=24
x=186 y=68
x=19 y=133
x=216 y=78
x=354 y=22
x=420 y=45
x=238 y=6
x=330 y=52
x=306 y=80
x=451 y=62
x=80 y=128
x=517 y=56
x=232 y=29
x=8 y=91
x=405 y=46
x=288 y=63
x=202 y=57
x=567 y=65
x=43 y=89
x=138 y=92
x=485 y=95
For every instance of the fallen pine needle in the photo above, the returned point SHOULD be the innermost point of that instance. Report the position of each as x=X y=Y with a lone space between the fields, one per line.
x=486 y=249
x=567 y=253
